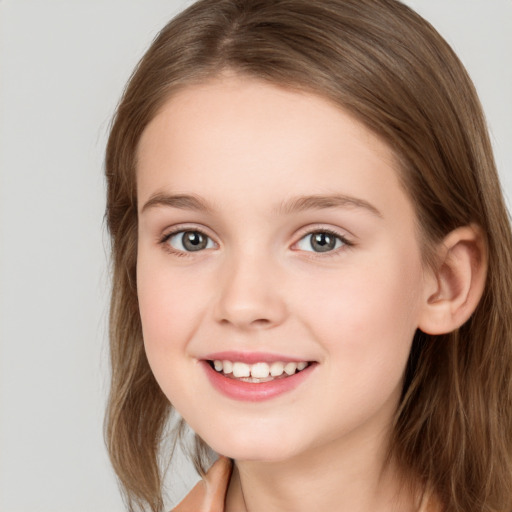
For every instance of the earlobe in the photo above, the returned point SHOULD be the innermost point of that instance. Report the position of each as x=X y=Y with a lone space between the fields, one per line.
x=455 y=286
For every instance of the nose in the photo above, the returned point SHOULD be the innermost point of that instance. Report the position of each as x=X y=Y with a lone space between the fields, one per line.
x=251 y=295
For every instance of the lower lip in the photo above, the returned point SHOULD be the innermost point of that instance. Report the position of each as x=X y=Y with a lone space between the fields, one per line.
x=255 y=392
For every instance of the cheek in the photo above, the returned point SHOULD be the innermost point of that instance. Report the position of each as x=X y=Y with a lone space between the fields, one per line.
x=170 y=304
x=365 y=323
x=365 y=298
x=365 y=318
x=171 y=307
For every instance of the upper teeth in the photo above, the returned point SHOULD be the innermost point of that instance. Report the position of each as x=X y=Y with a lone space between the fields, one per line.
x=258 y=370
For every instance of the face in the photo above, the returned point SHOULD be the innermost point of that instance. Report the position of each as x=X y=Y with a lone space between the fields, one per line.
x=279 y=271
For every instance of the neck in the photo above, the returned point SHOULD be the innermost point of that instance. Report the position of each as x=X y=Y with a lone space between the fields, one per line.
x=350 y=475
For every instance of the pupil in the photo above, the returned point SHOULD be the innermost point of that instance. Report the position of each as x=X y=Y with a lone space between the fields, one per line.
x=323 y=242
x=193 y=241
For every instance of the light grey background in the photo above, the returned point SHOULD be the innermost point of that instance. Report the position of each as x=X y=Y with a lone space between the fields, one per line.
x=63 y=64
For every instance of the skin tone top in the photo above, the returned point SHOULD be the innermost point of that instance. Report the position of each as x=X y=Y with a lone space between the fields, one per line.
x=280 y=283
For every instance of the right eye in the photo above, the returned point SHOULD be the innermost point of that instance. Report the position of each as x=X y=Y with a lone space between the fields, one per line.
x=321 y=241
x=189 y=241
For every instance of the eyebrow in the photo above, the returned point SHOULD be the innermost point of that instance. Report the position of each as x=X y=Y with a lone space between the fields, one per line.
x=320 y=202
x=181 y=201
x=293 y=205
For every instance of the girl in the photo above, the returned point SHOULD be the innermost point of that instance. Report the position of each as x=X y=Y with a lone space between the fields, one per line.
x=312 y=264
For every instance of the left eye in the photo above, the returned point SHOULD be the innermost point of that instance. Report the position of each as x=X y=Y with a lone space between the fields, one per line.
x=190 y=241
x=320 y=241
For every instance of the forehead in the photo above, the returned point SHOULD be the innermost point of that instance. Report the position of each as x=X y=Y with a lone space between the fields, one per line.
x=234 y=99
x=237 y=137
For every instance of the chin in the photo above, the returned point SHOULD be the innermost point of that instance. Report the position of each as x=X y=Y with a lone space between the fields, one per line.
x=263 y=447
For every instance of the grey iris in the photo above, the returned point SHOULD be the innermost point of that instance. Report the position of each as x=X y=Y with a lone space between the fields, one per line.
x=194 y=241
x=323 y=242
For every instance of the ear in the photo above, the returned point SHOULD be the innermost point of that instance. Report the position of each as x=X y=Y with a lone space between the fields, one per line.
x=454 y=288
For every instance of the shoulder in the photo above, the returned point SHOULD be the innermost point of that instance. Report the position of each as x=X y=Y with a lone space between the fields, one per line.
x=209 y=493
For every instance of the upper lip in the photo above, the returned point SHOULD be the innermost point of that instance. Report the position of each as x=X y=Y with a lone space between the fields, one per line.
x=252 y=357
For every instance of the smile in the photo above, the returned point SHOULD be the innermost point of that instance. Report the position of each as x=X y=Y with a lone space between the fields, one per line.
x=255 y=377
x=257 y=372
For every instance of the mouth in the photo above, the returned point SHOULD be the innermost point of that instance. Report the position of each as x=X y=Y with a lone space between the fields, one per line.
x=258 y=372
x=249 y=378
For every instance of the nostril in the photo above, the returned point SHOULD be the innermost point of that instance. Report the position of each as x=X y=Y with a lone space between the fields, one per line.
x=261 y=321
x=258 y=323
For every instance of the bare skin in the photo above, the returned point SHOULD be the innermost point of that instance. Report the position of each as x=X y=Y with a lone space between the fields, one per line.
x=259 y=173
x=288 y=487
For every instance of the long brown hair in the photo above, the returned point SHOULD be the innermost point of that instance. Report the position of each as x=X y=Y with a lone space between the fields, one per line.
x=387 y=66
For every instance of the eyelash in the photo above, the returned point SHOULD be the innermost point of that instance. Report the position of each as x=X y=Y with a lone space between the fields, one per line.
x=334 y=252
x=165 y=239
